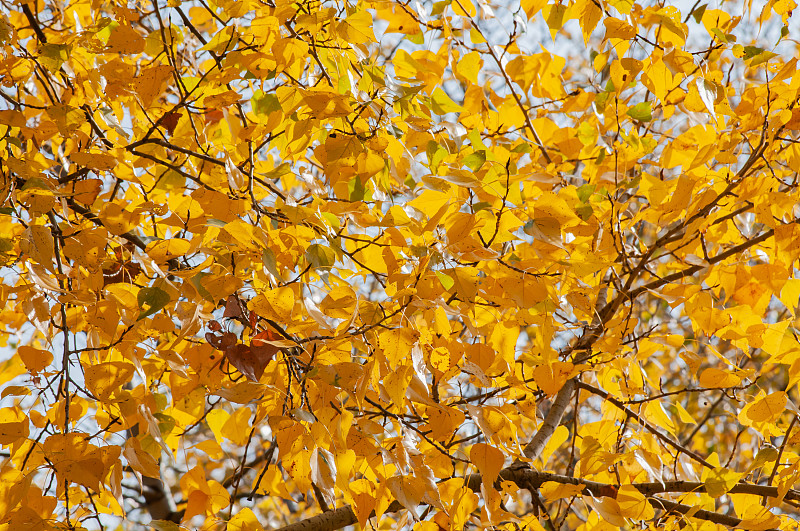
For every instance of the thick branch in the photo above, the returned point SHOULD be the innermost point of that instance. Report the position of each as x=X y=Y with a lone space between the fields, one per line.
x=702 y=514
x=332 y=520
x=551 y=422
x=532 y=479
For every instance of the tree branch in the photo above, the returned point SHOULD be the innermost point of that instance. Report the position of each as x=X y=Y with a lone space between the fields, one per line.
x=643 y=423
x=332 y=520
x=551 y=422
x=532 y=479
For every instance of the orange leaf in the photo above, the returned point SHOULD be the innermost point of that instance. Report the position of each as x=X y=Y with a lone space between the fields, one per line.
x=489 y=461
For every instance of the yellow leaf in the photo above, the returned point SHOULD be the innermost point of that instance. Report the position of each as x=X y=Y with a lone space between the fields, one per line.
x=244 y=233
x=525 y=292
x=237 y=426
x=552 y=490
x=96 y=161
x=444 y=421
x=12 y=118
x=219 y=286
x=149 y=83
x=560 y=435
x=720 y=481
x=37 y=242
x=396 y=384
x=397 y=344
x=654 y=413
x=532 y=7
x=276 y=304
x=76 y=460
x=780 y=342
x=218 y=206
x=684 y=415
x=762 y=520
x=125 y=40
x=551 y=377
x=139 y=460
x=357 y=28
x=13 y=487
x=87 y=190
x=340 y=302
x=469 y=66
x=554 y=16
x=609 y=510
x=790 y=294
x=165 y=250
x=768 y=408
x=290 y=55
x=105 y=379
x=463 y=8
x=440 y=359
x=718 y=379
x=35 y=359
x=408 y=490
x=298 y=466
x=13 y=425
x=216 y=419
x=363 y=494
x=623 y=6
x=117 y=220
x=244 y=520
x=618 y=29
x=489 y=461
x=658 y=78
x=633 y=504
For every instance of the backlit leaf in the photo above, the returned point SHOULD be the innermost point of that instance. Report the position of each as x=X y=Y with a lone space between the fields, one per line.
x=151 y=300
x=488 y=459
x=720 y=481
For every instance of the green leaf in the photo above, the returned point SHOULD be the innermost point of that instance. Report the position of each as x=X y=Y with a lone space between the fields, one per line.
x=320 y=256
x=52 y=56
x=720 y=35
x=152 y=297
x=164 y=525
x=586 y=191
x=784 y=33
x=357 y=190
x=279 y=171
x=475 y=160
x=522 y=148
x=751 y=51
x=641 y=111
x=555 y=20
x=698 y=13
x=436 y=157
x=584 y=212
x=601 y=157
x=762 y=57
x=764 y=456
x=270 y=262
x=265 y=103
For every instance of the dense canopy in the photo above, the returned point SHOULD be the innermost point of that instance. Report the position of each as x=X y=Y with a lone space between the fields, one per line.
x=449 y=265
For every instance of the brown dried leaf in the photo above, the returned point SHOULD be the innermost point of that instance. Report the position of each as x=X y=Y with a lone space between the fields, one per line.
x=249 y=362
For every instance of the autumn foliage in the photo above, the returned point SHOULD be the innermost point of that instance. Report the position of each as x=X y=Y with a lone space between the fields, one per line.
x=446 y=265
